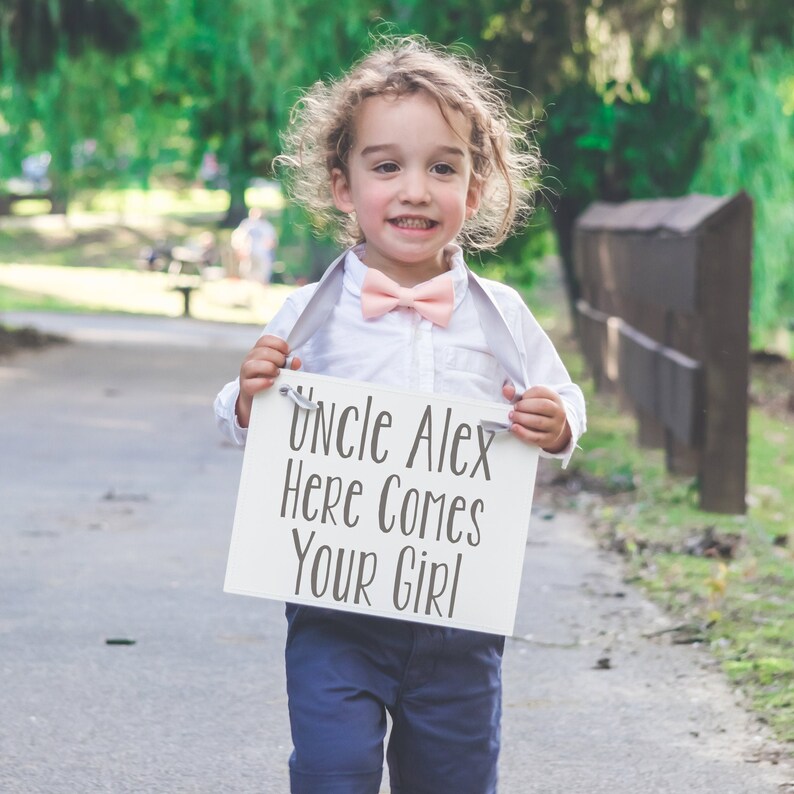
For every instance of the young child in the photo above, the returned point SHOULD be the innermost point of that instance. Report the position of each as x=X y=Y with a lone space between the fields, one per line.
x=412 y=152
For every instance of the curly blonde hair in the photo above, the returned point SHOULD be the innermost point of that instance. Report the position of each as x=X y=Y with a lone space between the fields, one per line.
x=322 y=128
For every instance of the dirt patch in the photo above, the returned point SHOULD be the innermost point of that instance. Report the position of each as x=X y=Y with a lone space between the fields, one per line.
x=13 y=340
x=772 y=384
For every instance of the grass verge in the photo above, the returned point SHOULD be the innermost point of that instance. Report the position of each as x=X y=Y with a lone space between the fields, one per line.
x=15 y=300
x=728 y=579
x=92 y=289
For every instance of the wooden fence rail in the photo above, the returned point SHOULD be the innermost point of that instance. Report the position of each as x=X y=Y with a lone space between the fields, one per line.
x=663 y=321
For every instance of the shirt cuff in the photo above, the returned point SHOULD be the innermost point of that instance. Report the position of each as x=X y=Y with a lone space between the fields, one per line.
x=577 y=429
x=226 y=417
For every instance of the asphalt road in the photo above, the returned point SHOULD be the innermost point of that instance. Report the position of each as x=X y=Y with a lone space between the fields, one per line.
x=116 y=502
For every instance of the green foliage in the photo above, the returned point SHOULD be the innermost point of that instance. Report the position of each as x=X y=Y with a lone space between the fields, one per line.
x=33 y=33
x=763 y=21
x=233 y=70
x=628 y=146
x=69 y=101
x=517 y=260
x=660 y=140
x=641 y=141
x=576 y=140
x=751 y=147
x=14 y=103
x=626 y=114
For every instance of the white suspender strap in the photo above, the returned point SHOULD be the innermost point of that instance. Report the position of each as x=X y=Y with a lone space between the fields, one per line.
x=497 y=334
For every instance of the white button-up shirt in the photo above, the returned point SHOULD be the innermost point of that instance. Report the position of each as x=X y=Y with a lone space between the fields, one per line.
x=403 y=349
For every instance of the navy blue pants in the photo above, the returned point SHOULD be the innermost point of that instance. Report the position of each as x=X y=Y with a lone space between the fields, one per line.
x=442 y=688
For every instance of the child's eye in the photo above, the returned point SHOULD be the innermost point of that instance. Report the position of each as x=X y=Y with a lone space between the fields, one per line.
x=443 y=169
x=386 y=168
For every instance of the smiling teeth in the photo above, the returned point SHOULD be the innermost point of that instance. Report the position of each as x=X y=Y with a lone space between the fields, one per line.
x=413 y=223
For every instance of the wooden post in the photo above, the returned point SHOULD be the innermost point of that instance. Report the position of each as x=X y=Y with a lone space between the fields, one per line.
x=664 y=321
x=724 y=306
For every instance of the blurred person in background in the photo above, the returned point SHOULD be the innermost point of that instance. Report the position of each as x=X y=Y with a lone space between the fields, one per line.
x=254 y=244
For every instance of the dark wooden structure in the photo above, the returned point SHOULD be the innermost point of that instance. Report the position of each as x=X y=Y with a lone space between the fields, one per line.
x=8 y=199
x=664 y=321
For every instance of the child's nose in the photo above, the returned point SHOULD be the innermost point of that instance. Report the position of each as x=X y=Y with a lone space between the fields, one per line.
x=414 y=188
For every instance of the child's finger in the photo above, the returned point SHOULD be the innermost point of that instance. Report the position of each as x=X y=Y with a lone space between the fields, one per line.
x=255 y=385
x=541 y=399
x=265 y=354
x=264 y=360
x=258 y=368
x=541 y=392
x=538 y=405
x=272 y=342
x=533 y=422
x=527 y=434
x=509 y=392
x=256 y=375
x=523 y=434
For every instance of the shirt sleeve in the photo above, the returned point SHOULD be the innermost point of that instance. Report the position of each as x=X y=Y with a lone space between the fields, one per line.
x=226 y=401
x=544 y=367
x=225 y=416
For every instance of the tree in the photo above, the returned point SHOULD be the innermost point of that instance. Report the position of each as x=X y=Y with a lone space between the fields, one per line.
x=41 y=45
x=751 y=147
x=233 y=69
x=764 y=21
x=630 y=147
x=625 y=95
x=34 y=32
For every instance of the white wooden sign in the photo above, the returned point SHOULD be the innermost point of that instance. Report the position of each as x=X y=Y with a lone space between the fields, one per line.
x=382 y=501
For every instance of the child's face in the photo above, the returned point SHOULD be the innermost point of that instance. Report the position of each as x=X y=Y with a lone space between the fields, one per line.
x=410 y=182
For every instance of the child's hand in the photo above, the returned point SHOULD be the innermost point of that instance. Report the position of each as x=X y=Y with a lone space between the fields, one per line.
x=539 y=418
x=258 y=372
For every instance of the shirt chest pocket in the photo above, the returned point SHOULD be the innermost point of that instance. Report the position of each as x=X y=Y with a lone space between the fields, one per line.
x=471 y=373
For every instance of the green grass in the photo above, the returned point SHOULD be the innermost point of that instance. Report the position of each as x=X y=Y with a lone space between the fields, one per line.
x=31 y=207
x=110 y=228
x=101 y=246
x=156 y=201
x=14 y=300
x=95 y=240
x=104 y=236
x=741 y=607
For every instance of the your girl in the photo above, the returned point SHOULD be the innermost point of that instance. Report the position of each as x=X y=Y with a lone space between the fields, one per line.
x=412 y=156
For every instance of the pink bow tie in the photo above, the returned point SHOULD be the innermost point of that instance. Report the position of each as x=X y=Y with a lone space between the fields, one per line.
x=433 y=300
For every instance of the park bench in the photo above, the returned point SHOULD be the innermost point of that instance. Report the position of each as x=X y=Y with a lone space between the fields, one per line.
x=186 y=269
x=8 y=199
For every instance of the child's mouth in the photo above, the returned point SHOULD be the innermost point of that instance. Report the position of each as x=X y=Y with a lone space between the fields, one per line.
x=413 y=223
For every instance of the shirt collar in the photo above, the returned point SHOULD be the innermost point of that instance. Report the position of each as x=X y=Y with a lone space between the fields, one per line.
x=355 y=270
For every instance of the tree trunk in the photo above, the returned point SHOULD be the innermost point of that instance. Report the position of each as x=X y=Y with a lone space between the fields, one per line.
x=237 y=207
x=59 y=195
x=564 y=215
x=239 y=173
x=60 y=174
x=693 y=18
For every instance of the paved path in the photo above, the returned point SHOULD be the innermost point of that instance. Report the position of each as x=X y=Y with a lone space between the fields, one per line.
x=116 y=502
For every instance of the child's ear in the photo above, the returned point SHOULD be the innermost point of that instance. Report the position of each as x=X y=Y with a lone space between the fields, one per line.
x=340 y=190
x=473 y=196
